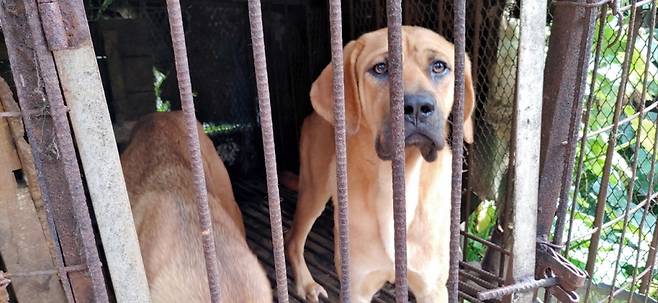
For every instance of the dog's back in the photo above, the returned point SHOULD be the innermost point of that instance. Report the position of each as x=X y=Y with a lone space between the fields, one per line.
x=158 y=174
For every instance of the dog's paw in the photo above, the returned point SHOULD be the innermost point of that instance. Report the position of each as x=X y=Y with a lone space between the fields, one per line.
x=312 y=292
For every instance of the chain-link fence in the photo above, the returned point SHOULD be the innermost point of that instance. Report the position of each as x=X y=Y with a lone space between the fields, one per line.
x=612 y=220
x=612 y=230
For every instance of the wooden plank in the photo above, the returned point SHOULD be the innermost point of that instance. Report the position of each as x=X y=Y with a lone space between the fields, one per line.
x=23 y=244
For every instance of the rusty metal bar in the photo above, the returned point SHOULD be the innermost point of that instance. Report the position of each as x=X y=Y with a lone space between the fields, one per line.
x=651 y=263
x=260 y=64
x=477 y=280
x=457 y=146
x=52 y=147
x=603 y=193
x=623 y=121
x=66 y=151
x=485 y=242
x=335 y=20
x=588 y=108
x=394 y=19
x=192 y=138
x=612 y=222
x=528 y=116
x=517 y=287
x=653 y=159
x=651 y=260
x=567 y=62
x=481 y=272
x=635 y=5
x=81 y=84
x=18 y=132
x=631 y=185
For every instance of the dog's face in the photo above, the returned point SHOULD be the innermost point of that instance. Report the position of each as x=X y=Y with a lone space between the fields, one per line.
x=428 y=83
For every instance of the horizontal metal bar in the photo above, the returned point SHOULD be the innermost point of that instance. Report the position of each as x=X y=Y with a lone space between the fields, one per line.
x=486 y=242
x=67 y=269
x=621 y=122
x=638 y=4
x=615 y=220
x=580 y=4
x=477 y=280
x=481 y=272
x=465 y=296
x=517 y=287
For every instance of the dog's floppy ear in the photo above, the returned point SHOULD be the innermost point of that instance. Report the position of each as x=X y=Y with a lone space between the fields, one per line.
x=322 y=90
x=469 y=102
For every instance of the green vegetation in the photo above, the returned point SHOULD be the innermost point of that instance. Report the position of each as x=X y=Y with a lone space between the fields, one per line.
x=623 y=183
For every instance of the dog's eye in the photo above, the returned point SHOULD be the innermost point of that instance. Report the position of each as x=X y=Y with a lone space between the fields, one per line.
x=438 y=67
x=380 y=68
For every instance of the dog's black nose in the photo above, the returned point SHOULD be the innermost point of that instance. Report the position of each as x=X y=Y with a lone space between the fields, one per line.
x=418 y=107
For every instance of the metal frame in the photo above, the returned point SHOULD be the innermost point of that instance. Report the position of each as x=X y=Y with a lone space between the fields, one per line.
x=33 y=60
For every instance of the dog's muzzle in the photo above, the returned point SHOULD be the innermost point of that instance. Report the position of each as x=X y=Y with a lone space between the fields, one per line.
x=423 y=128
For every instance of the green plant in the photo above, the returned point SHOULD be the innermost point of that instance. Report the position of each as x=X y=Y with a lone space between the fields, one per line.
x=480 y=223
x=158 y=80
x=642 y=127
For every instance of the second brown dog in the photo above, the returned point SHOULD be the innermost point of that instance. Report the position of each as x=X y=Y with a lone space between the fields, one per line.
x=157 y=169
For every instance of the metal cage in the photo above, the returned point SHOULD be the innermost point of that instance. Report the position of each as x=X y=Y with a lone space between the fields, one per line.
x=564 y=159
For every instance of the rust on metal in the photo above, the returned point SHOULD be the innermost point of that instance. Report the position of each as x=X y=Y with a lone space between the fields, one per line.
x=341 y=146
x=396 y=90
x=549 y=261
x=583 y=3
x=652 y=24
x=564 y=87
x=52 y=147
x=457 y=146
x=260 y=65
x=517 y=287
x=485 y=242
x=586 y=116
x=603 y=192
x=483 y=273
x=64 y=23
x=201 y=193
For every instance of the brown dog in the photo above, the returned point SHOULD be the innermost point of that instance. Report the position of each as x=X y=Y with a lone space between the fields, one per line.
x=157 y=169
x=428 y=97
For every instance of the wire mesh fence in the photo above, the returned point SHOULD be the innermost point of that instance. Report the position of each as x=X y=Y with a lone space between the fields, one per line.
x=613 y=216
x=612 y=220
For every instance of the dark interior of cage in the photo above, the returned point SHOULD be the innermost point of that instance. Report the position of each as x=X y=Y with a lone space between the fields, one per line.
x=135 y=58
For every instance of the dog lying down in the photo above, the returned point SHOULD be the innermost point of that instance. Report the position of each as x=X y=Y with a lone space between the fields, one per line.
x=158 y=173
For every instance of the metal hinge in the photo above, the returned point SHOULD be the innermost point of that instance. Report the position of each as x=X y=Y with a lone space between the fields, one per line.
x=550 y=264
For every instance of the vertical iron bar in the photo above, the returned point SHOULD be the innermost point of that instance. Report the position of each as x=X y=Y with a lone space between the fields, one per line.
x=565 y=77
x=394 y=19
x=260 y=64
x=457 y=146
x=39 y=126
x=653 y=162
x=631 y=185
x=335 y=20
x=201 y=193
x=66 y=150
x=603 y=193
x=583 y=138
x=651 y=261
x=652 y=250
